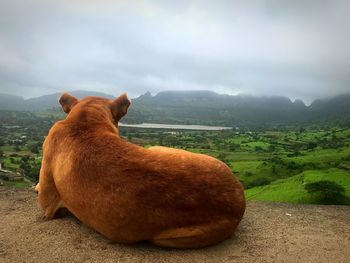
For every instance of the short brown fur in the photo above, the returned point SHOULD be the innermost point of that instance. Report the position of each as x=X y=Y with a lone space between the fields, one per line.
x=170 y=197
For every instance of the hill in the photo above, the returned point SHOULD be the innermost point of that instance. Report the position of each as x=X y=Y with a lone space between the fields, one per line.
x=331 y=108
x=209 y=108
x=50 y=101
x=269 y=232
x=10 y=102
x=292 y=189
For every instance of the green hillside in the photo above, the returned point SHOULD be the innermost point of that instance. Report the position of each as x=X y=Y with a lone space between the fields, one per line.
x=292 y=190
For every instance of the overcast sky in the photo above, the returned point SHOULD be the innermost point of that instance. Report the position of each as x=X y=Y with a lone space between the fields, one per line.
x=299 y=49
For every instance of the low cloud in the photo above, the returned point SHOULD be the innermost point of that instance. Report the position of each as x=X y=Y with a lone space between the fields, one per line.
x=293 y=48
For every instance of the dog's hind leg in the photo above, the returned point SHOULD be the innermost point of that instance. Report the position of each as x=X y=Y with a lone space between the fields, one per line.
x=49 y=198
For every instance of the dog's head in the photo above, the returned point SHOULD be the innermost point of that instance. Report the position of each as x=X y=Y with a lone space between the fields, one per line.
x=95 y=107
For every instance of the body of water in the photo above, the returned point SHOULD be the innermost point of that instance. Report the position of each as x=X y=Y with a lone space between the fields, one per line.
x=175 y=126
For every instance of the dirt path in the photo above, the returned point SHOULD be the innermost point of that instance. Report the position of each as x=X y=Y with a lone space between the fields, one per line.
x=269 y=232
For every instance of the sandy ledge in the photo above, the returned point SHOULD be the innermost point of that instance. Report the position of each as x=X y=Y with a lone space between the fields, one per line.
x=269 y=232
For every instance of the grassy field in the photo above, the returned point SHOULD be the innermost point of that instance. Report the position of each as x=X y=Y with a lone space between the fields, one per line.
x=292 y=189
x=281 y=173
x=272 y=165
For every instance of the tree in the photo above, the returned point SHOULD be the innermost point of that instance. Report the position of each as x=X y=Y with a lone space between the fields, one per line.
x=272 y=147
x=258 y=149
x=1 y=155
x=129 y=136
x=223 y=157
x=311 y=146
x=233 y=147
x=34 y=147
x=34 y=171
x=160 y=138
x=17 y=148
x=327 y=192
x=170 y=140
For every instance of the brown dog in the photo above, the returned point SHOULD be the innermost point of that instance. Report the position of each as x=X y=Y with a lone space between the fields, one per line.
x=170 y=197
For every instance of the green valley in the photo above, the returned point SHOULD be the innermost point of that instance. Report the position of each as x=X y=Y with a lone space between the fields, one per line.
x=273 y=165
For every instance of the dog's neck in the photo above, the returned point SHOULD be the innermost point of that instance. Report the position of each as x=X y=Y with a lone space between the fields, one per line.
x=94 y=118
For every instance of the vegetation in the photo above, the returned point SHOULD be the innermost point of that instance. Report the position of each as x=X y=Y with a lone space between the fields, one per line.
x=210 y=108
x=293 y=190
x=326 y=191
x=278 y=164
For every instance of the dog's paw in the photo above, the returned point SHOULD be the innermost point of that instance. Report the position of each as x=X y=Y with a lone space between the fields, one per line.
x=36 y=189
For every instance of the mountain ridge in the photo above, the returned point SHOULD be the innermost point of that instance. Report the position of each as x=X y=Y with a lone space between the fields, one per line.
x=163 y=94
x=210 y=108
x=44 y=102
x=206 y=107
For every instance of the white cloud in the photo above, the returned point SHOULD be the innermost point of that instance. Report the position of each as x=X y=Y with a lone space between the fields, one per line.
x=294 y=48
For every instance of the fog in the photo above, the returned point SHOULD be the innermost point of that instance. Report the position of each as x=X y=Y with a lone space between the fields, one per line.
x=298 y=49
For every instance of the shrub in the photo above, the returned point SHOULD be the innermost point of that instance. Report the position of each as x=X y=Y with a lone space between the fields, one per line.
x=292 y=165
x=327 y=192
x=257 y=182
x=223 y=157
x=34 y=147
x=258 y=149
x=295 y=153
x=248 y=174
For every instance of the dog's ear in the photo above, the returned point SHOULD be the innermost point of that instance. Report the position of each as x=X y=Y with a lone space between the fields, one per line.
x=119 y=106
x=67 y=102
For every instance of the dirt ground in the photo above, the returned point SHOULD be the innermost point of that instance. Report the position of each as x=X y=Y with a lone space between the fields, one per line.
x=269 y=232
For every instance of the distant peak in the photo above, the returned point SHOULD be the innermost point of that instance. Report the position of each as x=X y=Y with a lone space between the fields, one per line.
x=299 y=102
x=147 y=95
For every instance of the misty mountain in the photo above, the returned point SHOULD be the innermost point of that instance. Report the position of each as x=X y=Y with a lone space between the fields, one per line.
x=11 y=102
x=51 y=101
x=206 y=107
x=333 y=107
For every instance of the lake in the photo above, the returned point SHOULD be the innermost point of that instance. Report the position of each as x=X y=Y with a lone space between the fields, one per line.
x=175 y=126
